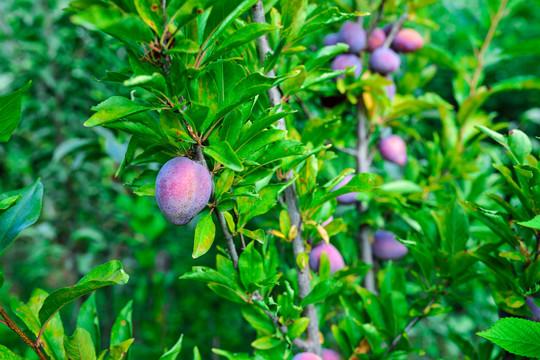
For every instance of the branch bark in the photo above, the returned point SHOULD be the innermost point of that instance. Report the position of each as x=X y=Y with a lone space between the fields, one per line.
x=11 y=324
x=395 y=29
x=291 y=200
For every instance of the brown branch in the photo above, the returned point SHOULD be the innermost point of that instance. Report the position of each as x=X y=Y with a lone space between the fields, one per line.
x=377 y=20
x=291 y=200
x=299 y=343
x=11 y=324
x=395 y=29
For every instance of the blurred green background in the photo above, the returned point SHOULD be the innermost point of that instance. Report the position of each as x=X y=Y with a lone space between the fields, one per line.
x=90 y=217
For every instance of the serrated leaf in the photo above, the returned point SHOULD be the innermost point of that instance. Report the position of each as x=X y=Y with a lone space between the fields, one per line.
x=517 y=336
x=204 y=234
x=22 y=214
x=111 y=273
x=223 y=153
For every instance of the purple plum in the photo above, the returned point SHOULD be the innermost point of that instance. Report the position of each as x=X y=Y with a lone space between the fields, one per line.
x=407 y=41
x=328 y=354
x=331 y=39
x=333 y=254
x=183 y=189
x=344 y=61
x=393 y=149
x=376 y=39
x=384 y=61
x=352 y=34
x=386 y=247
x=306 y=356
x=349 y=198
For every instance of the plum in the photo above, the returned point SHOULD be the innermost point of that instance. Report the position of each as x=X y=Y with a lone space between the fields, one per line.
x=344 y=61
x=328 y=354
x=386 y=247
x=352 y=34
x=376 y=39
x=407 y=41
x=331 y=39
x=306 y=356
x=387 y=28
x=384 y=61
x=333 y=254
x=393 y=149
x=349 y=198
x=533 y=307
x=183 y=188
x=390 y=89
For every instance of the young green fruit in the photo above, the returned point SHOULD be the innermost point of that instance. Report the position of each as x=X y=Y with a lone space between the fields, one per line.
x=183 y=188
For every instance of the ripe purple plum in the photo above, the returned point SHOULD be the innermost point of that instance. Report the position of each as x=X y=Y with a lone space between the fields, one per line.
x=333 y=254
x=349 y=198
x=376 y=39
x=386 y=247
x=183 y=189
x=331 y=39
x=328 y=354
x=387 y=28
x=306 y=356
x=393 y=149
x=344 y=61
x=352 y=34
x=407 y=41
x=384 y=61
x=390 y=89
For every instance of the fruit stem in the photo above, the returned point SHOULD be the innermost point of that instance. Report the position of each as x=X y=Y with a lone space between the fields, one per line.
x=395 y=29
x=291 y=200
x=380 y=12
x=11 y=324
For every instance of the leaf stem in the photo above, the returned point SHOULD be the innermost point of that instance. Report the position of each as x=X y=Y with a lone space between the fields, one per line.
x=11 y=324
x=291 y=200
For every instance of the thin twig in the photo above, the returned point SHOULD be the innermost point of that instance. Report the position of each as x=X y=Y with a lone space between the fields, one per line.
x=395 y=29
x=377 y=20
x=301 y=344
x=291 y=199
x=487 y=41
x=363 y=162
x=346 y=150
x=11 y=324
x=305 y=109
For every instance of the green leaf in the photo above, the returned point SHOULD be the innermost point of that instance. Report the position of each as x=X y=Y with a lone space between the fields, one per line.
x=224 y=183
x=242 y=36
x=80 y=346
x=22 y=214
x=223 y=153
x=323 y=55
x=110 y=273
x=208 y=275
x=118 y=352
x=6 y=354
x=250 y=265
x=10 y=112
x=321 y=291
x=264 y=138
x=113 y=109
x=517 y=336
x=173 y=353
x=521 y=48
x=122 y=330
x=53 y=335
x=534 y=223
x=1 y=279
x=258 y=319
x=298 y=327
x=359 y=183
x=266 y=342
x=294 y=14
x=204 y=234
x=9 y=202
x=151 y=12
x=89 y=321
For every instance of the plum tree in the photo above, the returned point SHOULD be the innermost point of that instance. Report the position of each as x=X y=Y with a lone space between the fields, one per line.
x=386 y=247
x=306 y=356
x=407 y=41
x=331 y=39
x=329 y=354
x=384 y=61
x=393 y=149
x=352 y=34
x=183 y=188
x=349 y=198
x=344 y=61
x=334 y=256
x=376 y=39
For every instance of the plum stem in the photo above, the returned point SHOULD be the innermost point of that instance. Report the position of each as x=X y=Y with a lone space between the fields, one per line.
x=395 y=29
x=11 y=324
x=473 y=85
x=363 y=162
x=291 y=200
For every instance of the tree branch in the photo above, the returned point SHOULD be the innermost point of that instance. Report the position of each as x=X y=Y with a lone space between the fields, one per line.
x=363 y=162
x=291 y=199
x=395 y=29
x=11 y=324
x=377 y=20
